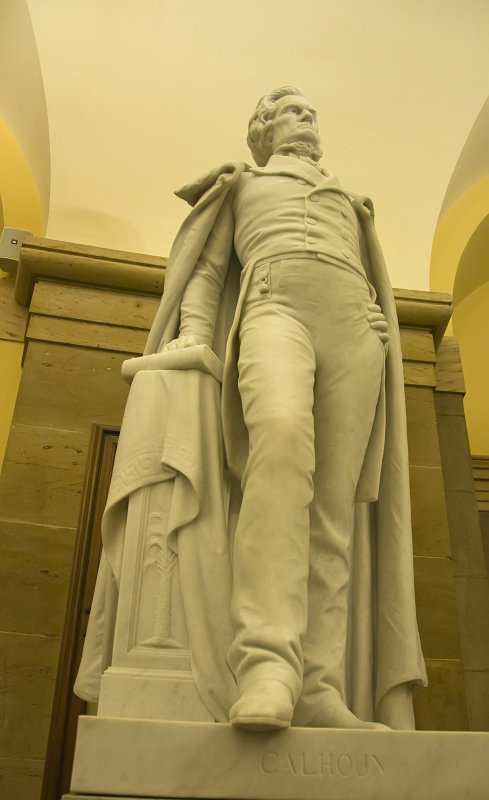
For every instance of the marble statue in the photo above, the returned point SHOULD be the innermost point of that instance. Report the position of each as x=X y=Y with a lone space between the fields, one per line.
x=277 y=274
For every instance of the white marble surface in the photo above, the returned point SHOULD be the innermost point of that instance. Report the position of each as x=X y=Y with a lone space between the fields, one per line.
x=180 y=759
x=151 y=694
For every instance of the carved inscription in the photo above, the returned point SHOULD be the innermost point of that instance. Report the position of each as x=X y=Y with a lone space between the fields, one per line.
x=327 y=765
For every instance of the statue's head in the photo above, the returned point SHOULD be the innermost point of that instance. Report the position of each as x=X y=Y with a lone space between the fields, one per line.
x=284 y=122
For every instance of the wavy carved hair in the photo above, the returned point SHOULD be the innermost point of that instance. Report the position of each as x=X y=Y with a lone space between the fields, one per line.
x=259 y=140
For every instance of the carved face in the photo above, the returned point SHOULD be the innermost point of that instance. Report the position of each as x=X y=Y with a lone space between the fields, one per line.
x=294 y=122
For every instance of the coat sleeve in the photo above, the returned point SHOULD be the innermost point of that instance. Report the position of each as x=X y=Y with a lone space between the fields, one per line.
x=187 y=251
x=202 y=293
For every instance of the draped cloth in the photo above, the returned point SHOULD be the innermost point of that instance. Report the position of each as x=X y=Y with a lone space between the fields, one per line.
x=172 y=434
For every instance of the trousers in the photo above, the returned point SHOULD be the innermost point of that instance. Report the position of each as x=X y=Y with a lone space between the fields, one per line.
x=310 y=371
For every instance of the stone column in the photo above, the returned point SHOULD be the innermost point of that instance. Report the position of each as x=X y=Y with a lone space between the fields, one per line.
x=423 y=318
x=469 y=566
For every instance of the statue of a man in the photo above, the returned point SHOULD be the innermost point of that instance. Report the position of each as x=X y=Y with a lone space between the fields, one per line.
x=309 y=342
x=278 y=270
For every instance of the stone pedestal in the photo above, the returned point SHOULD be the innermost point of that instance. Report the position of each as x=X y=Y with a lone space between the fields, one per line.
x=136 y=758
x=150 y=675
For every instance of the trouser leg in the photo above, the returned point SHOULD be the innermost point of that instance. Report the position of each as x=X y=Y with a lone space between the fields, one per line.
x=271 y=549
x=347 y=391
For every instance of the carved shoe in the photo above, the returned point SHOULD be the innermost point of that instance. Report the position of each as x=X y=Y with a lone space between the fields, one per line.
x=337 y=715
x=265 y=705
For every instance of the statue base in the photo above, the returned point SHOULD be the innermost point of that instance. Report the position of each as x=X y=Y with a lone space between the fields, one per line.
x=130 y=758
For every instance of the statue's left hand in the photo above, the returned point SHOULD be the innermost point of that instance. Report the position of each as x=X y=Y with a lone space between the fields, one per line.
x=378 y=322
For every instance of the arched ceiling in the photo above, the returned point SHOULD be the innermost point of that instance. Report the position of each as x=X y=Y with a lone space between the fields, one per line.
x=143 y=96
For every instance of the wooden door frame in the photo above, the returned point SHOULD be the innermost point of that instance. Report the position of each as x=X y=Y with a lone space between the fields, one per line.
x=66 y=706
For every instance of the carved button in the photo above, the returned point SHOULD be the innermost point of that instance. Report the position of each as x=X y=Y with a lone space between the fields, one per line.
x=346 y=254
x=313 y=198
x=302 y=182
x=311 y=221
x=344 y=213
x=311 y=240
x=344 y=234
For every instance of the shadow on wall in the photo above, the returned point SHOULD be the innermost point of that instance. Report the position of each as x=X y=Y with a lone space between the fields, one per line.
x=70 y=223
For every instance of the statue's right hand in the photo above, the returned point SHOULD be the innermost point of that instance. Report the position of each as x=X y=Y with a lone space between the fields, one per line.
x=188 y=340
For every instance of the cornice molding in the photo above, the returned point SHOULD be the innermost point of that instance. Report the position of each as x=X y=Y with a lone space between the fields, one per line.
x=48 y=259
x=428 y=310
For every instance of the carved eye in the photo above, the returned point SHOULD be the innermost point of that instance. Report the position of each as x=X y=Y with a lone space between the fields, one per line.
x=294 y=110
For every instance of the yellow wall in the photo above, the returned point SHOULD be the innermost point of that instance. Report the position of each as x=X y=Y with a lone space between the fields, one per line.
x=21 y=208
x=10 y=358
x=20 y=197
x=471 y=326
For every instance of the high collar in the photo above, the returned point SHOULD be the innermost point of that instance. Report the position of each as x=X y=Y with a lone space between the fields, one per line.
x=298 y=168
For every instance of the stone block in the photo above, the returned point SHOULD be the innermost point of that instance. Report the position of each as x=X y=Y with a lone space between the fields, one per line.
x=449 y=403
x=465 y=534
x=429 y=516
x=71 y=387
x=87 y=334
x=473 y=609
x=419 y=373
x=455 y=454
x=72 y=301
x=28 y=673
x=35 y=570
x=13 y=317
x=436 y=608
x=43 y=475
x=477 y=692
x=20 y=778
x=422 y=431
x=184 y=760
x=449 y=373
x=417 y=345
x=441 y=705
